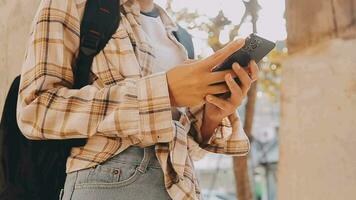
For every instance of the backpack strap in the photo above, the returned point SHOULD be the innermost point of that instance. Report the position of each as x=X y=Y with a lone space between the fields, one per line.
x=100 y=21
x=185 y=39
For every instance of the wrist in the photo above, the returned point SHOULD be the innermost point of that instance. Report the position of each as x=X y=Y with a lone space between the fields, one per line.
x=210 y=116
x=208 y=126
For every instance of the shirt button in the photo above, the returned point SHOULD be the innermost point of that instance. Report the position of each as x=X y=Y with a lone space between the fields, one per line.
x=176 y=179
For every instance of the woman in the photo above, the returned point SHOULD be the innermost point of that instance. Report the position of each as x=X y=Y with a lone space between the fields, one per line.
x=146 y=113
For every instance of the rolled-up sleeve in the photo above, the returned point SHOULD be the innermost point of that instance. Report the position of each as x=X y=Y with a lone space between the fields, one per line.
x=229 y=137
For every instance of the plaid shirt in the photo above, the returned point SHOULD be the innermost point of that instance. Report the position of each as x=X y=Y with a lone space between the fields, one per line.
x=124 y=104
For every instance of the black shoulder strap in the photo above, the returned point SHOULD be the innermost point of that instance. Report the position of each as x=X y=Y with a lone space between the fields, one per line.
x=185 y=39
x=100 y=21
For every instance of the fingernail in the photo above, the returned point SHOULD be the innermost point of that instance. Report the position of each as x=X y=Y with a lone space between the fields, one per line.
x=236 y=66
x=239 y=41
x=236 y=43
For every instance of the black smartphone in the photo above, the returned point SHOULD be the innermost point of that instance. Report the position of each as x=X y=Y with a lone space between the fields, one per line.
x=255 y=48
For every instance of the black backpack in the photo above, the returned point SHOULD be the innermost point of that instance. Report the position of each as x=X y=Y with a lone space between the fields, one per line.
x=31 y=169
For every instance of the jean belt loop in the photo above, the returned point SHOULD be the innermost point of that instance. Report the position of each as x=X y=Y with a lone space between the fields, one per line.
x=147 y=155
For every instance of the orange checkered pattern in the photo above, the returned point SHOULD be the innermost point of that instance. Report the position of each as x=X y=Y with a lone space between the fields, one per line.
x=124 y=104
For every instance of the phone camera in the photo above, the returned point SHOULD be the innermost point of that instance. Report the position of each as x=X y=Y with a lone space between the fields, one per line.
x=253 y=41
x=253 y=46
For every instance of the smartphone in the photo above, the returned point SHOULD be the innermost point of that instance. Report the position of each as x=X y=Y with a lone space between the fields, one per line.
x=255 y=48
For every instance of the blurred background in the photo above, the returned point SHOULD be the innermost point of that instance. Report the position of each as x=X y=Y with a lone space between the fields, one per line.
x=300 y=116
x=214 y=23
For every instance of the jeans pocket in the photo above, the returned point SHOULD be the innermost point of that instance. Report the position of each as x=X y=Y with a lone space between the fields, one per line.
x=103 y=174
x=121 y=174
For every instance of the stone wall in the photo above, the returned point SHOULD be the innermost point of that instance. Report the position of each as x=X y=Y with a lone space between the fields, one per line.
x=318 y=114
x=15 y=20
x=318 y=123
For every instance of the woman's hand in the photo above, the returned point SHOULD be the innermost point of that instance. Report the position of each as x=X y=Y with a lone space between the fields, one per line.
x=191 y=82
x=217 y=108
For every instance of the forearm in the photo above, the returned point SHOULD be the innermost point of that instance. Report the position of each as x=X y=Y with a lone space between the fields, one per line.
x=208 y=126
x=96 y=111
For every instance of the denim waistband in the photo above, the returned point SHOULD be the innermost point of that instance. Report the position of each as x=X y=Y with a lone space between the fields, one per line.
x=135 y=155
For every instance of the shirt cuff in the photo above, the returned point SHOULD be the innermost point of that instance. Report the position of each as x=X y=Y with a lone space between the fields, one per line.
x=228 y=138
x=155 y=109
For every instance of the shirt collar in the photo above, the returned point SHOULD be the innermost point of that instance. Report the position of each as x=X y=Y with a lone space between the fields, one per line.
x=153 y=13
x=132 y=6
x=167 y=20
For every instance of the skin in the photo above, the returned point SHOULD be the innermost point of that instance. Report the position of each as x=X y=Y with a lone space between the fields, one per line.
x=201 y=89
x=146 y=5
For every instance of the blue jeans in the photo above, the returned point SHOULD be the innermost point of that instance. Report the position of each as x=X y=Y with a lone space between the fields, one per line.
x=133 y=174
